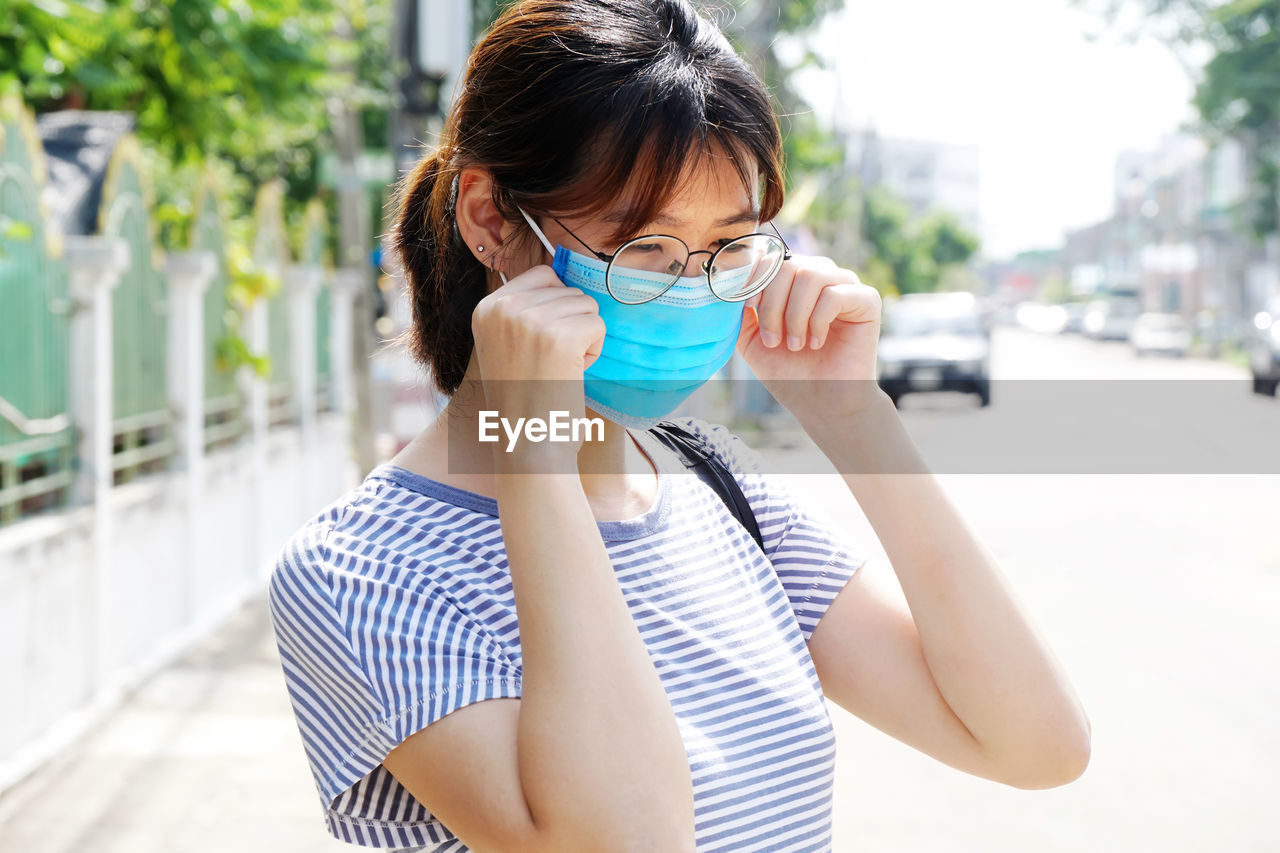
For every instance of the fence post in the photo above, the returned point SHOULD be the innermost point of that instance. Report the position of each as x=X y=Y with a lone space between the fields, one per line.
x=189 y=275
x=302 y=282
x=256 y=392
x=346 y=283
x=95 y=265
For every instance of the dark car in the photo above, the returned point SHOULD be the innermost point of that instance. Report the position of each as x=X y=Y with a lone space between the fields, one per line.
x=1264 y=350
x=934 y=342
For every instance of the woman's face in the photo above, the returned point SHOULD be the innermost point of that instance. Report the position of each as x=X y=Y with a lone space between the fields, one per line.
x=711 y=208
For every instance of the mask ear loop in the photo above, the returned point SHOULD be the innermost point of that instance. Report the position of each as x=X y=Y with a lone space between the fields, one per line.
x=536 y=230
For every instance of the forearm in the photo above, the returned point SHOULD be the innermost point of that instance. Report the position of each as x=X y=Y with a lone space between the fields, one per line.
x=989 y=664
x=600 y=755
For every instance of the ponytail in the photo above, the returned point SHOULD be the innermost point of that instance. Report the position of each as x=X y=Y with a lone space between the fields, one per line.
x=445 y=280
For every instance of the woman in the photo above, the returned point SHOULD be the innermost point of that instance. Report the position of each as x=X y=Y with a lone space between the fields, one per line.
x=559 y=645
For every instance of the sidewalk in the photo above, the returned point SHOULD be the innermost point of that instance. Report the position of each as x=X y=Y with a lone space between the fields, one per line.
x=205 y=756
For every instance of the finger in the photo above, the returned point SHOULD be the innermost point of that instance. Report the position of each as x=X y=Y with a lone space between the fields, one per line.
x=588 y=331
x=547 y=307
x=541 y=276
x=750 y=325
x=849 y=303
x=527 y=300
x=808 y=285
x=772 y=303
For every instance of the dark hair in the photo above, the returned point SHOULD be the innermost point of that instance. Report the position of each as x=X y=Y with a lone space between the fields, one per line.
x=569 y=104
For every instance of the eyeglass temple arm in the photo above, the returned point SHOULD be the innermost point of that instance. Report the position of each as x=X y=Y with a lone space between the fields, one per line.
x=786 y=250
x=601 y=255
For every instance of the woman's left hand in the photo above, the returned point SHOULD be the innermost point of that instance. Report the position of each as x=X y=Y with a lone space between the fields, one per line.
x=815 y=321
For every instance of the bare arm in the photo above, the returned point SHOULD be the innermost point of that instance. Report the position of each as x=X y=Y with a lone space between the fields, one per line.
x=601 y=758
x=963 y=675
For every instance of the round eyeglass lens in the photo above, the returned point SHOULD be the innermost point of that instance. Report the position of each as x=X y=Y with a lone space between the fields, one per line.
x=746 y=265
x=646 y=268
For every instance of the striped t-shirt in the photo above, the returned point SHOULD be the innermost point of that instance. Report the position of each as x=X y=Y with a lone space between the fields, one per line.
x=393 y=607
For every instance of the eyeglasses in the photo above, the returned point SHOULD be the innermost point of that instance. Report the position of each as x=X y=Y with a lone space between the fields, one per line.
x=738 y=270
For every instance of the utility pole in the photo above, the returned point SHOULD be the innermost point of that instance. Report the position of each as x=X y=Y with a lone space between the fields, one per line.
x=353 y=255
x=430 y=41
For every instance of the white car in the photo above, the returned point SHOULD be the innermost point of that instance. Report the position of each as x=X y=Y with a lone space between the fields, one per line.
x=1111 y=319
x=1154 y=332
x=934 y=342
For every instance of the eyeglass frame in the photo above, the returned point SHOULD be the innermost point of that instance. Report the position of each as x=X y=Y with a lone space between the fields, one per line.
x=689 y=253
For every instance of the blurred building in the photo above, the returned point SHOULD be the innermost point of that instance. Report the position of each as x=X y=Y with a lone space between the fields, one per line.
x=926 y=175
x=1030 y=275
x=1179 y=236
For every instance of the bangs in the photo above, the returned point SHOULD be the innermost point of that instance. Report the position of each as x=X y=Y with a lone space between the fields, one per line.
x=636 y=175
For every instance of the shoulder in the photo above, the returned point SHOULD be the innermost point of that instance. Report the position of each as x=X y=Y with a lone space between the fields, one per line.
x=360 y=536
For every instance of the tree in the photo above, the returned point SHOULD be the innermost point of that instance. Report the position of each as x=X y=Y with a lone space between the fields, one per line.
x=945 y=240
x=1239 y=93
x=206 y=79
x=762 y=30
x=910 y=256
x=1238 y=88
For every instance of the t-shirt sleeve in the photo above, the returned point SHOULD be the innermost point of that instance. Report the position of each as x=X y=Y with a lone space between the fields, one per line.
x=813 y=557
x=372 y=652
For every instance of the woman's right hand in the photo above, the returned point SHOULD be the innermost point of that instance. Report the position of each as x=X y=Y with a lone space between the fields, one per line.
x=534 y=338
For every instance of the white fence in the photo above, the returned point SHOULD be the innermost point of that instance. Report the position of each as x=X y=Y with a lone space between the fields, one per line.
x=96 y=597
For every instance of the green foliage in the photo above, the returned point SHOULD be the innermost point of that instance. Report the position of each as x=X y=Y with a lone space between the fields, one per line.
x=242 y=89
x=1238 y=91
x=249 y=283
x=946 y=240
x=199 y=74
x=12 y=229
x=911 y=256
x=229 y=80
x=801 y=16
x=484 y=13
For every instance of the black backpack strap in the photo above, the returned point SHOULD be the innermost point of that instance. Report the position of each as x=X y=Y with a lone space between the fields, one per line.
x=695 y=456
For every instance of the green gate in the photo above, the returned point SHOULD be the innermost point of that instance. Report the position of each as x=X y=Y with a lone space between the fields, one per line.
x=36 y=438
x=315 y=241
x=271 y=252
x=143 y=425
x=224 y=403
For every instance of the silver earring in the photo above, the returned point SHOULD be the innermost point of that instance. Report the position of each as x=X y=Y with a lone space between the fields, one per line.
x=479 y=248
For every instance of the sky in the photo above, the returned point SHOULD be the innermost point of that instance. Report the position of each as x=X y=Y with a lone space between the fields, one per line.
x=1049 y=108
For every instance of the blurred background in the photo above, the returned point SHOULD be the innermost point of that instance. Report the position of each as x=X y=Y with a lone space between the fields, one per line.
x=198 y=325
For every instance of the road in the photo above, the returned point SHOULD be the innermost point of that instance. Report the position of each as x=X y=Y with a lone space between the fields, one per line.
x=1159 y=594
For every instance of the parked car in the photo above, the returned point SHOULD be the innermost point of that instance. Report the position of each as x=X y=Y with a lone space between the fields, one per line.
x=934 y=342
x=1264 y=350
x=1154 y=332
x=1111 y=319
x=1075 y=317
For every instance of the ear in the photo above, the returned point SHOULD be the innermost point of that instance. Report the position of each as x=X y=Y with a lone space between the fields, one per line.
x=479 y=221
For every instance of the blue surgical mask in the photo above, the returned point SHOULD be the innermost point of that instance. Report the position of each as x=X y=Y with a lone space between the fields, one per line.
x=657 y=353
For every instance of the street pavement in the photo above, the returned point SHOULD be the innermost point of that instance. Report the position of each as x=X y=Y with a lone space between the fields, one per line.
x=1159 y=593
